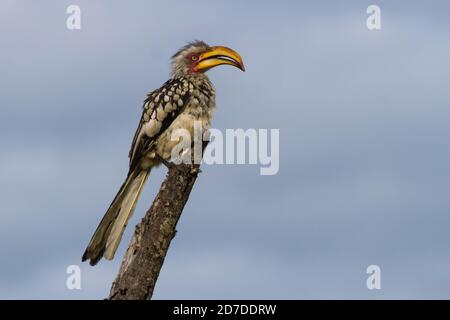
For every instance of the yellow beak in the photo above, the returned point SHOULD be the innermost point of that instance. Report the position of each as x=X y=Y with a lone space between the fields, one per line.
x=217 y=56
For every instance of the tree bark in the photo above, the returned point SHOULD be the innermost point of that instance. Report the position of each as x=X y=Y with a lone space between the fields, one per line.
x=145 y=255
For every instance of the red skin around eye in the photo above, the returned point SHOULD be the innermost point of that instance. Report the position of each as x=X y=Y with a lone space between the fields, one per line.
x=193 y=56
x=193 y=68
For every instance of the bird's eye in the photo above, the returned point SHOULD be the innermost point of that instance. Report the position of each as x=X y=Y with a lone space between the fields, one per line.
x=194 y=58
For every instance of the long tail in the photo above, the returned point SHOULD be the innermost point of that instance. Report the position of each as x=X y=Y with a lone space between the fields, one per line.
x=109 y=232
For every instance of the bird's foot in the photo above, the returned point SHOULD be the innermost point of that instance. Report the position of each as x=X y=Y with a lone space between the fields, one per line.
x=168 y=164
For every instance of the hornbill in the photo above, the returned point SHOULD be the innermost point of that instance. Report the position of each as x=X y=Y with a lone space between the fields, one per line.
x=189 y=96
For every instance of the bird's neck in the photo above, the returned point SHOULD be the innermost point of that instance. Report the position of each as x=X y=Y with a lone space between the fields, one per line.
x=194 y=77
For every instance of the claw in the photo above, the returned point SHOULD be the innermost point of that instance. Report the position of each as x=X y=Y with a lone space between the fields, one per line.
x=164 y=162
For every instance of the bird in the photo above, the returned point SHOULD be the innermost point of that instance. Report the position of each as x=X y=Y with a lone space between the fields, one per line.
x=188 y=96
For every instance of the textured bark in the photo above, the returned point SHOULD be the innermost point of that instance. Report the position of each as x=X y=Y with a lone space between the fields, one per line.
x=145 y=255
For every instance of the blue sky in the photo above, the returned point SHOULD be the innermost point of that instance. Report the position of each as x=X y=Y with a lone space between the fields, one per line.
x=364 y=153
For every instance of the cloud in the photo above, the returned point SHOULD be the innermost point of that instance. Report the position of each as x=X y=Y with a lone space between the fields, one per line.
x=363 y=126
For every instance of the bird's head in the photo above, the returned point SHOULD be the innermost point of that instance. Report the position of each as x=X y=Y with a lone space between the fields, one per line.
x=197 y=57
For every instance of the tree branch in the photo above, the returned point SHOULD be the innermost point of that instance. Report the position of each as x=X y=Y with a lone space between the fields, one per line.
x=145 y=255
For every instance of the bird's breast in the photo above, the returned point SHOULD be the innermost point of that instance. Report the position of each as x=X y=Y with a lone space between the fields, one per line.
x=195 y=117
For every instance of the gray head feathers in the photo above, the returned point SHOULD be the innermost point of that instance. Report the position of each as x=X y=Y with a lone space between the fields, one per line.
x=180 y=65
x=196 y=44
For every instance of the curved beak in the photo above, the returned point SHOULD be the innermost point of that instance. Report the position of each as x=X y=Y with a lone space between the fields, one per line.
x=217 y=56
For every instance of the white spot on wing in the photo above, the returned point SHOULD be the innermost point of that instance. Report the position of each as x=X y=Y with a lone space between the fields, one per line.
x=152 y=127
x=160 y=113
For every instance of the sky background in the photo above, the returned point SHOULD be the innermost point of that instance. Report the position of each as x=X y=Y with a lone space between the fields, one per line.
x=364 y=147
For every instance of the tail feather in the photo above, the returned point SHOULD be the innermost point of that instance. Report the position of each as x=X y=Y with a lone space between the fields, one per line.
x=127 y=209
x=109 y=232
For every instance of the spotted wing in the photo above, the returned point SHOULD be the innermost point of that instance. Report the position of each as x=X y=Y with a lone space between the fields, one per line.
x=161 y=107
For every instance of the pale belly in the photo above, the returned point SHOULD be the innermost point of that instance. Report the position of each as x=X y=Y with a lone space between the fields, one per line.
x=186 y=124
